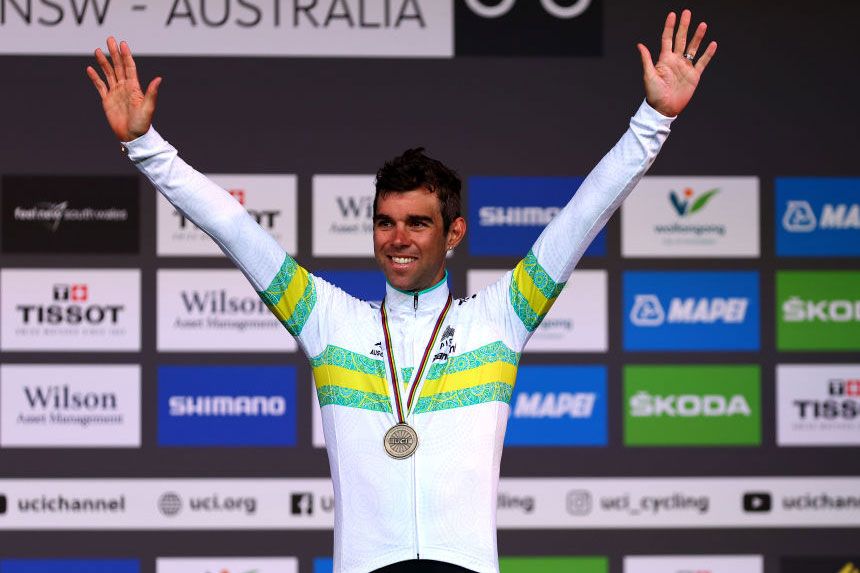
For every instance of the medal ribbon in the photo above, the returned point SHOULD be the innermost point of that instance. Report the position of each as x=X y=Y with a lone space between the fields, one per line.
x=401 y=416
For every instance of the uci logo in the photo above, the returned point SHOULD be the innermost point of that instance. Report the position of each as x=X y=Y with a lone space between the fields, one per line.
x=553 y=7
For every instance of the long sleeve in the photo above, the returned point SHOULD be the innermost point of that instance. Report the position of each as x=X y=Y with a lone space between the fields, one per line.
x=290 y=292
x=527 y=293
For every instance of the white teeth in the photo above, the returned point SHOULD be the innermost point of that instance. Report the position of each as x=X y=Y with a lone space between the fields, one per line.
x=402 y=260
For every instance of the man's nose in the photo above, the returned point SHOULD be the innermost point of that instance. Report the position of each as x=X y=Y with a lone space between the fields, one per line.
x=401 y=235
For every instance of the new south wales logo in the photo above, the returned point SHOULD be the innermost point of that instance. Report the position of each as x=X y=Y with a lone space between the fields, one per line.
x=686 y=203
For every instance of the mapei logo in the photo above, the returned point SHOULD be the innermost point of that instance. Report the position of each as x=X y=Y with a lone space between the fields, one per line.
x=689 y=310
x=800 y=218
x=687 y=203
x=648 y=311
x=558 y=405
x=819 y=216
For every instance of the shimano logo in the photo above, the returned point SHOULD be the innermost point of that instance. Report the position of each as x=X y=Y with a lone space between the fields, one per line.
x=800 y=218
x=494 y=216
x=795 y=309
x=648 y=310
x=645 y=405
x=554 y=405
x=252 y=406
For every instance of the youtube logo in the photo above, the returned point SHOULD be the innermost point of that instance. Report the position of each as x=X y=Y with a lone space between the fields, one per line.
x=757 y=502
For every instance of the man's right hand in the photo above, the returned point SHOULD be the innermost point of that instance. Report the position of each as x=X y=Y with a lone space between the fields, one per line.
x=128 y=110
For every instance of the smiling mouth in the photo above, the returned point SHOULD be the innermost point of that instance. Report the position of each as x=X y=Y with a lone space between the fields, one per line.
x=403 y=260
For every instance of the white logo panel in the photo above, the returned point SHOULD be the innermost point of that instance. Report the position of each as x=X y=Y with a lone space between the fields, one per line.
x=227 y=565
x=694 y=564
x=214 y=311
x=343 y=215
x=70 y=309
x=270 y=199
x=691 y=217
x=818 y=405
x=371 y=28
x=577 y=322
x=70 y=406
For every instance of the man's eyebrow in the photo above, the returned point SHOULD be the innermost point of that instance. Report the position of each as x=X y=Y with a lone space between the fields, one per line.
x=381 y=217
x=419 y=219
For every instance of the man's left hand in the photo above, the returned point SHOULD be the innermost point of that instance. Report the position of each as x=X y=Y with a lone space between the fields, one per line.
x=670 y=84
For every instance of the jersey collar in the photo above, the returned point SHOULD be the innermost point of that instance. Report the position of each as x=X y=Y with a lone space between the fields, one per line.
x=428 y=300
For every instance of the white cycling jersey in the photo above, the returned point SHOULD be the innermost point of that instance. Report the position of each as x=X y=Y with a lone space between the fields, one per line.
x=440 y=503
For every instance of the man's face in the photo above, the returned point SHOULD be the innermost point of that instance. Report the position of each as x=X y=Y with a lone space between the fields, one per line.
x=409 y=240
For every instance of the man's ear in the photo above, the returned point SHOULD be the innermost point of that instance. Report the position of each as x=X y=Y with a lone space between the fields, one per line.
x=456 y=232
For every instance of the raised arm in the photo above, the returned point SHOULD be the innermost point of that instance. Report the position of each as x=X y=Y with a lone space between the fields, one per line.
x=288 y=289
x=538 y=279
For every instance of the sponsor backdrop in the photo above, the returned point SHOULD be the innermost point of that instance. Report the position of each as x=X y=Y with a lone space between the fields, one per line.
x=690 y=404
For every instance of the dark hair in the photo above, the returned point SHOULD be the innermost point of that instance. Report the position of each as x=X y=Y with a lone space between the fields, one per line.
x=413 y=170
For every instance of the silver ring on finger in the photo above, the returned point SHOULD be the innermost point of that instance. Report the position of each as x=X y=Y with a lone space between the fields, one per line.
x=689 y=56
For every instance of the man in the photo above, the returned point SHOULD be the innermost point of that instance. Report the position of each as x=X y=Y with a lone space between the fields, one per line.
x=414 y=393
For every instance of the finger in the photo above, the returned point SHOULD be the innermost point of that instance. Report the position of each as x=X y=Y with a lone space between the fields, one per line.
x=681 y=35
x=666 y=39
x=693 y=48
x=128 y=61
x=105 y=66
x=647 y=62
x=151 y=95
x=706 y=57
x=115 y=59
x=97 y=82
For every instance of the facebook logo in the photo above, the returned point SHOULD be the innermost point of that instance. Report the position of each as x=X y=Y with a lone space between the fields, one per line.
x=302 y=503
x=691 y=311
x=558 y=406
x=226 y=406
x=70 y=566
x=507 y=214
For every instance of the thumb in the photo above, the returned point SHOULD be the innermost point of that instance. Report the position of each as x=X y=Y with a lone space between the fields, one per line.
x=151 y=95
x=647 y=62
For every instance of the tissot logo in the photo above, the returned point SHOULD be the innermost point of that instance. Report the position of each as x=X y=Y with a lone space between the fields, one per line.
x=558 y=405
x=79 y=215
x=269 y=199
x=67 y=309
x=689 y=311
x=818 y=404
x=819 y=217
x=757 y=502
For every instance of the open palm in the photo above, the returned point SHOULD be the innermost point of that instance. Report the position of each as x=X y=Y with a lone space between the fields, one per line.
x=128 y=109
x=670 y=83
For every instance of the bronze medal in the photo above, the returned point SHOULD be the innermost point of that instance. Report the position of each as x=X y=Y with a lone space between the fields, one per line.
x=401 y=441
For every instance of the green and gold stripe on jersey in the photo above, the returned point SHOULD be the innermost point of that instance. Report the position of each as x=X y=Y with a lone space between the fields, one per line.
x=532 y=291
x=346 y=378
x=291 y=296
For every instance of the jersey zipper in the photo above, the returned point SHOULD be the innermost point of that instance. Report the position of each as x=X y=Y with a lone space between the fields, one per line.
x=414 y=462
